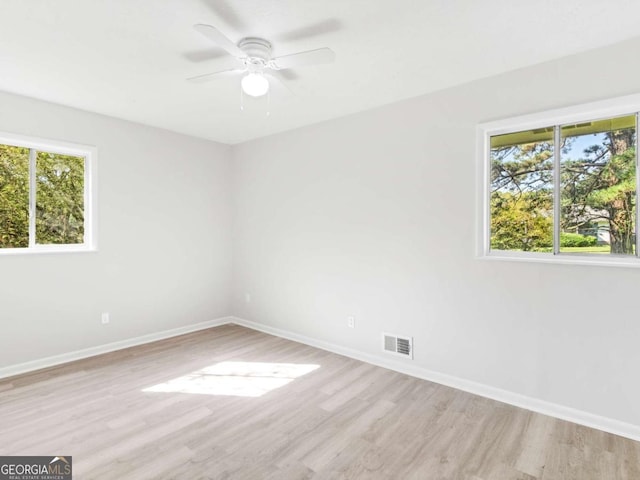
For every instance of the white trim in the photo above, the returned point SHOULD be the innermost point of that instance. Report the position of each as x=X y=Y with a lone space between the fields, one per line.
x=564 y=259
x=482 y=192
x=91 y=199
x=562 y=412
x=613 y=107
x=637 y=219
x=557 y=188
x=33 y=194
x=52 y=361
x=44 y=249
x=39 y=143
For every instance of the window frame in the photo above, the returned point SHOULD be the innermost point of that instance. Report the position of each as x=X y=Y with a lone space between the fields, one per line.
x=90 y=153
x=614 y=107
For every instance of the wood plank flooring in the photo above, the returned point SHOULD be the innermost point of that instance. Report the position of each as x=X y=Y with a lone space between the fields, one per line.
x=343 y=420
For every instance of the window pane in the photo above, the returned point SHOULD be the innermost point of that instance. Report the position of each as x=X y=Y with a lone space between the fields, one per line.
x=59 y=199
x=598 y=187
x=522 y=191
x=14 y=197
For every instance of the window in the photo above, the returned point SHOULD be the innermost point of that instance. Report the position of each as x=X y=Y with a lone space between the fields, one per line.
x=562 y=185
x=46 y=196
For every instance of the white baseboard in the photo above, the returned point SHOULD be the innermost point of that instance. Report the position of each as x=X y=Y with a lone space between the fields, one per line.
x=580 y=417
x=109 y=347
x=610 y=425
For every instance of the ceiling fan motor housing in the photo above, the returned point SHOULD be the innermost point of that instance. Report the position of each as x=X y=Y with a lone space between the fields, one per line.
x=255 y=56
x=258 y=51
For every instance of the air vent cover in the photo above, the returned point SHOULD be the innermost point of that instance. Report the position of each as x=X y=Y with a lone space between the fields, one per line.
x=397 y=345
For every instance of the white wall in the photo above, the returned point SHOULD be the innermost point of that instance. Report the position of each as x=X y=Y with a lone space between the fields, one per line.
x=373 y=215
x=164 y=258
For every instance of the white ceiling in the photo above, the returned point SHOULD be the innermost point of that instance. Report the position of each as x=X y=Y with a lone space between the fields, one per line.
x=130 y=58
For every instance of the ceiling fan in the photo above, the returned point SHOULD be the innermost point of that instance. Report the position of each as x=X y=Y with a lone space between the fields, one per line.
x=252 y=56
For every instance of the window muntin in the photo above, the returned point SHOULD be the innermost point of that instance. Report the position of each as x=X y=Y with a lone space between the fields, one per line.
x=46 y=196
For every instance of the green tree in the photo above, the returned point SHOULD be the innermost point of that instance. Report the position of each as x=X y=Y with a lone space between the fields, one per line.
x=14 y=197
x=601 y=185
x=59 y=198
x=521 y=221
x=522 y=197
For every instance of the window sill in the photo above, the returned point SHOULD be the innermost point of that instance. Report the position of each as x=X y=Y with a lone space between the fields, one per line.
x=49 y=249
x=564 y=259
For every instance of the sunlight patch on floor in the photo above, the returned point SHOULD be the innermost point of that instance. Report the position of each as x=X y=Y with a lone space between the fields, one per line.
x=242 y=379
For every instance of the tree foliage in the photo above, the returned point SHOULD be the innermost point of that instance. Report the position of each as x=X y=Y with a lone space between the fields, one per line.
x=598 y=186
x=59 y=198
x=602 y=186
x=14 y=197
x=521 y=221
x=522 y=197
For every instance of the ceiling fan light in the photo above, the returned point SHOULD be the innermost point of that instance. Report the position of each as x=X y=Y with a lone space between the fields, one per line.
x=255 y=84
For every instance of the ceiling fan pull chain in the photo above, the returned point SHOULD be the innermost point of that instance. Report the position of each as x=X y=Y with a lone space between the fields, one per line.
x=268 y=102
x=251 y=56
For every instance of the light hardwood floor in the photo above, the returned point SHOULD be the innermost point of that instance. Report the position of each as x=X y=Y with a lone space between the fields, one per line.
x=345 y=419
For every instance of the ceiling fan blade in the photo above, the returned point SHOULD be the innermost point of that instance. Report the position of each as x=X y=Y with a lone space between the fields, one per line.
x=225 y=10
x=276 y=78
x=303 y=59
x=217 y=37
x=319 y=28
x=212 y=76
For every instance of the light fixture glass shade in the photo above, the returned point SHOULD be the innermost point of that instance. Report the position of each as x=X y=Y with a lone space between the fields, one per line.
x=255 y=84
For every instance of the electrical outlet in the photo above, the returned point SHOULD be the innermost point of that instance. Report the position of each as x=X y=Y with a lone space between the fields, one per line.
x=351 y=321
x=105 y=318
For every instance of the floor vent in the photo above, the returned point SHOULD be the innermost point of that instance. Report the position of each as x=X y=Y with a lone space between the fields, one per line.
x=397 y=345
